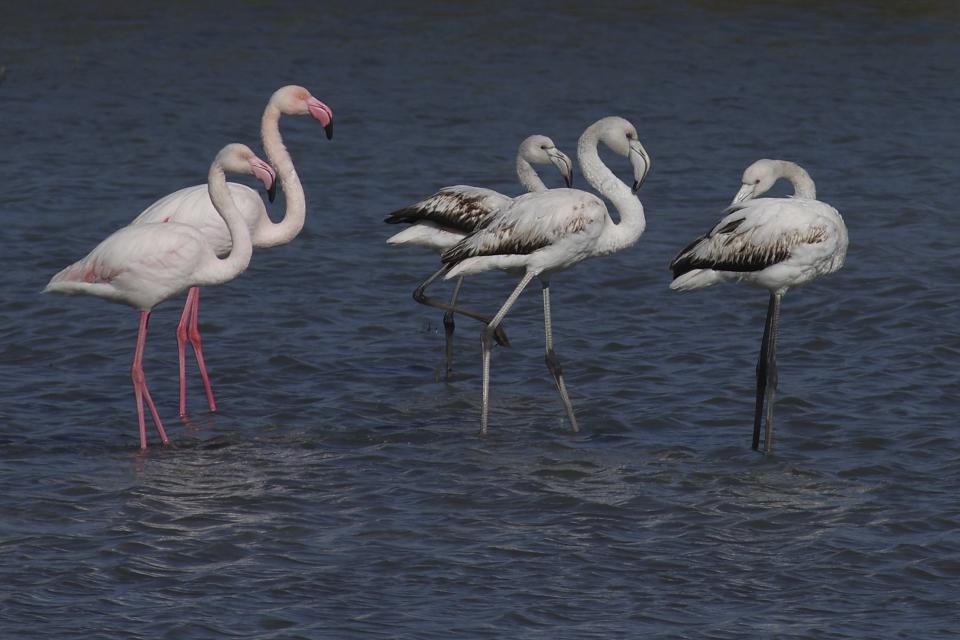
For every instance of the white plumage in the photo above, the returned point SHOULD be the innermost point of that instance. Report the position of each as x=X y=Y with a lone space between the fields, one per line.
x=192 y=206
x=773 y=243
x=544 y=232
x=143 y=265
x=443 y=219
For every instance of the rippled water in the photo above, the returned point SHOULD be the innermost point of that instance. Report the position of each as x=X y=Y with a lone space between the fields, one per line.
x=341 y=491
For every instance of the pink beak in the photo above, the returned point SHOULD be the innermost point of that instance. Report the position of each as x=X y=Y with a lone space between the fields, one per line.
x=265 y=174
x=322 y=113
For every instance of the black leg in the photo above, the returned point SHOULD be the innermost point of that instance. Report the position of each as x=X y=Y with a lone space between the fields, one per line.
x=448 y=328
x=767 y=375
x=553 y=363
x=772 y=377
x=419 y=294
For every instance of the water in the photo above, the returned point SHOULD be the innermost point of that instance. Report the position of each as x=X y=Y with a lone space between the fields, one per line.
x=341 y=491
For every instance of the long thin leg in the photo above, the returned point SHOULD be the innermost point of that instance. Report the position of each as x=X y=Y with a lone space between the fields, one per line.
x=194 y=336
x=182 y=348
x=767 y=375
x=189 y=330
x=140 y=390
x=487 y=340
x=449 y=325
x=420 y=296
x=772 y=377
x=553 y=363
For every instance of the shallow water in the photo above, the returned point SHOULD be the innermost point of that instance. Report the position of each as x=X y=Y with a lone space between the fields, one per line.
x=341 y=491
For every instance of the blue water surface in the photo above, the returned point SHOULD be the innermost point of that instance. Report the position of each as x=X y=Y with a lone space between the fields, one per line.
x=342 y=489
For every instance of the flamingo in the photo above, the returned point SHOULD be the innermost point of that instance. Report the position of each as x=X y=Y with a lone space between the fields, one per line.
x=773 y=243
x=142 y=265
x=544 y=232
x=192 y=206
x=443 y=219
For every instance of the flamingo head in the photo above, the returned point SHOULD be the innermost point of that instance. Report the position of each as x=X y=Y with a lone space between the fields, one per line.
x=757 y=179
x=539 y=149
x=621 y=136
x=294 y=100
x=238 y=158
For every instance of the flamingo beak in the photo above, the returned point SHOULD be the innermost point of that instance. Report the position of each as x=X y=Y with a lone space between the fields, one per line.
x=745 y=193
x=562 y=162
x=323 y=114
x=639 y=173
x=265 y=174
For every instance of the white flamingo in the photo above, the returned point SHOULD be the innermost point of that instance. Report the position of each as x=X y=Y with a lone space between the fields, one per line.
x=443 y=219
x=548 y=231
x=143 y=265
x=773 y=243
x=192 y=206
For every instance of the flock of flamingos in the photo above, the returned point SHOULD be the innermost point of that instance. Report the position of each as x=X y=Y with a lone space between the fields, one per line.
x=205 y=235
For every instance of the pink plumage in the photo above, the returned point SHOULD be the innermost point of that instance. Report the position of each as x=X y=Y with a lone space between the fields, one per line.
x=143 y=265
x=192 y=206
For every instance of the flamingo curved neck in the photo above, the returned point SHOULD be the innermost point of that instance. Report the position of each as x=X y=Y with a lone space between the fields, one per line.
x=615 y=236
x=528 y=176
x=221 y=270
x=803 y=186
x=268 y=233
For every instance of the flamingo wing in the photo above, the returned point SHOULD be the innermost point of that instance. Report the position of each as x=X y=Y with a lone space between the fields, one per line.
x=458 y=208
x=532 y=222
x=755 y=235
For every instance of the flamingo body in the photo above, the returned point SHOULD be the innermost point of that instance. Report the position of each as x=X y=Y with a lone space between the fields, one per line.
x=773 y=243
x=140 y=266
x=541 y=232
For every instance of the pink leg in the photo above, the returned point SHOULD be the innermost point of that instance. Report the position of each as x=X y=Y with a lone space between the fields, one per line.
x=189 y=329
x=140 y=390
x=194 y=335
x=182 y=348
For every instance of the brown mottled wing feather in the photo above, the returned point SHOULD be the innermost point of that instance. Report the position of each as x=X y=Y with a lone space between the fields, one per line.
x=501 y=240
x=532 y=222
x=750 y=237
x=458 y=208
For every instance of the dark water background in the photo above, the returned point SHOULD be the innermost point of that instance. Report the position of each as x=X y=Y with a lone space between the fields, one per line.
x=341 y=492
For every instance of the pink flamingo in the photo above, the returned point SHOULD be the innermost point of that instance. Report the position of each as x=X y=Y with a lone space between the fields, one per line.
x=143 y=265
x=192 y=206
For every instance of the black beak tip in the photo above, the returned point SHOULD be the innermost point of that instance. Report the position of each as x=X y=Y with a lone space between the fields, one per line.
x=636 y=186
x=569 y=181
x=328 y=129
x=272 y=192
